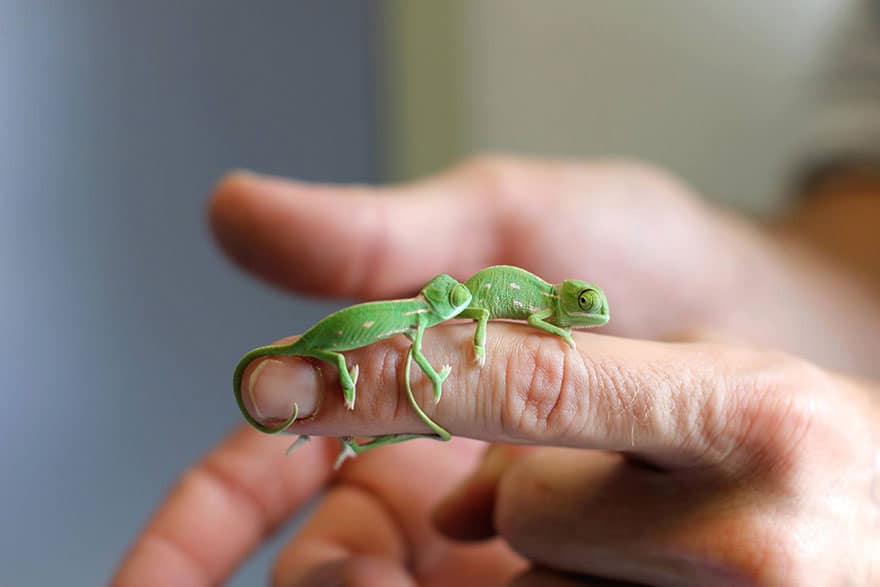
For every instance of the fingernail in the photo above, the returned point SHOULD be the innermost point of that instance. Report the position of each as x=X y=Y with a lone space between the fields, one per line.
x=275 y=385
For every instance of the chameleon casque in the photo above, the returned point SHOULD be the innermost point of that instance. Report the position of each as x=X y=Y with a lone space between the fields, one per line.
x=500 y=292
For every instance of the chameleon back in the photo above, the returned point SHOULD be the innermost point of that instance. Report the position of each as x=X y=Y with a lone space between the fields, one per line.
x=509 y=292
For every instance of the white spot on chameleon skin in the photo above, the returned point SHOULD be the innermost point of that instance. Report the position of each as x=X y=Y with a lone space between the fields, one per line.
x=421 y=311
x=338 y=333
x=487 y=285
x=517 y=304
x=549 y=295
x=514 y=285
x=367 y=324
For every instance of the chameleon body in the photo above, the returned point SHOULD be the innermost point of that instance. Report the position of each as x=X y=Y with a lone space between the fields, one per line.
x=501 y=292
x=360 y=325
x=505 y=292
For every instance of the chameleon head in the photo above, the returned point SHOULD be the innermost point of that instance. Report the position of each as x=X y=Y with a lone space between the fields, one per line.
x=446 y=296
x=582 y=304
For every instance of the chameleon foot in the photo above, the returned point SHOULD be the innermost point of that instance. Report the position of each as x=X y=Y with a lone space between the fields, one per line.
x=479 y=356
x=347 y=451
x=300 y=440
x=354 y=372
x=438 y=382
x=351 y=392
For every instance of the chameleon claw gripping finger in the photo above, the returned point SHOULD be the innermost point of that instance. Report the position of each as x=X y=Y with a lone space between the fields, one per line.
x=357 y=326
x=350 y=447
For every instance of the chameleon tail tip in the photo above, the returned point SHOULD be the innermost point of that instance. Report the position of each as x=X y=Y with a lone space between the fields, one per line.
x=287 y=423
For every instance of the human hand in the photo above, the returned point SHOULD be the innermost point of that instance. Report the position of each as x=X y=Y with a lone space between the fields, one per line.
x=530 y=390
x=669 y=263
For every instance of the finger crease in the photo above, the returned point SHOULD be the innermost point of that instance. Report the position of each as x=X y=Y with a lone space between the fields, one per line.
x=188 y=554
x=240 y=492
x=406 y=545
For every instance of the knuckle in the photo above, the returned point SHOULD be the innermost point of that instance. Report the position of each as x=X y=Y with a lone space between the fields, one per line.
x=382 y=373
x=500 y=177
x=541 y=391
x=775 y=409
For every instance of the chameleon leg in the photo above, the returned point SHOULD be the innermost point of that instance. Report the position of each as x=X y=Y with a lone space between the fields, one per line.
x=346 y=379
x=437 y=379
x=537 y=320
x=482 y=317
x=351 y=448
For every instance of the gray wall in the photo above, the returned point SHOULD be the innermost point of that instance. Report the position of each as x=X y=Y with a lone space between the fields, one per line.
x=121 y=322
x=722 y=93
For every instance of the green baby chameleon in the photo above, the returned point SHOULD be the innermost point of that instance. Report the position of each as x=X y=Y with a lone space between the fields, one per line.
x=505 y=292
x=360 y=325
x=501 y=292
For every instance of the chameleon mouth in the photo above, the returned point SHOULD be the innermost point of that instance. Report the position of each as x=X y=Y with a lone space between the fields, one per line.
x=601 y=317
x=589 y=319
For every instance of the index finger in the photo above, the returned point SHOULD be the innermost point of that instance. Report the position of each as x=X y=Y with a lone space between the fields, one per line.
x=222 y=509
x=676 y=405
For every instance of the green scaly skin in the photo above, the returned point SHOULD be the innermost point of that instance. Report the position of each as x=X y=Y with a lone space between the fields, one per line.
x=505 y=292
x=360 y=325
x=501 y=292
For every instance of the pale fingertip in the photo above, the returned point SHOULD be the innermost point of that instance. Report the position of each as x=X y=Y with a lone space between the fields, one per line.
x=274 y=385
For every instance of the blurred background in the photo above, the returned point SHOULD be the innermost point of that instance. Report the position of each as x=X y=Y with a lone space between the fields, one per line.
x=121 y=321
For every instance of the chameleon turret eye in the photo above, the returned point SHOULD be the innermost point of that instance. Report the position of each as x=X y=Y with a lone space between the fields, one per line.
x=589 y=300
x=459 y=296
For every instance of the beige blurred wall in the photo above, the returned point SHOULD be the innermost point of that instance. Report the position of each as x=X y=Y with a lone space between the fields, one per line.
x=719 y=92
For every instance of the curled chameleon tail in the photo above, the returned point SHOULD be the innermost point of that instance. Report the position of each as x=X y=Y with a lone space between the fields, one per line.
x=350 y=447
x=360 y=325
x=270 y=350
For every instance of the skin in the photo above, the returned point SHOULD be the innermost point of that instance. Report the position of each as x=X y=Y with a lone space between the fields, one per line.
x=504 y=292
x=497 y=292
x=661 y=463
x=356 y=326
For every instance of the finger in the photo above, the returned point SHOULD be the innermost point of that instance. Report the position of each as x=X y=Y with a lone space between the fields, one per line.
x=379 y=510
x=593 y=512
x=674 y=405
x=222 y=509
x=353 y=241
x=372 y=242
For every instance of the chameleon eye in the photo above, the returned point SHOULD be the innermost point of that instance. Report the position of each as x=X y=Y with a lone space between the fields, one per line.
x=589 y=300
x=459 y=296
